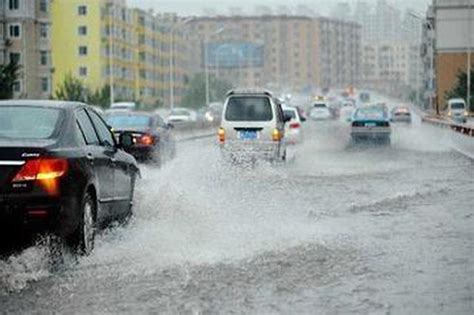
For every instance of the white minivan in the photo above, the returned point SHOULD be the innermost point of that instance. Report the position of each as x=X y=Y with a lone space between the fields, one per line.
x=457 y=110
x=253 y=126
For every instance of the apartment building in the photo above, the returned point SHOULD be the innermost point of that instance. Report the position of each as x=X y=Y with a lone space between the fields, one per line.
x=94 y=40
x=339 y=52
x=25 y=37
x=107 y=43
x=280 y=52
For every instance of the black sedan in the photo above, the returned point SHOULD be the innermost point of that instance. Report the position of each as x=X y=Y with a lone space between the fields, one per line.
x=153 y=140
x=62 y=172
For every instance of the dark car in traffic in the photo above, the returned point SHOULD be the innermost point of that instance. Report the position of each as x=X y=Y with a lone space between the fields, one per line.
x=152 y=136
x=371 y=123
x=61 y=172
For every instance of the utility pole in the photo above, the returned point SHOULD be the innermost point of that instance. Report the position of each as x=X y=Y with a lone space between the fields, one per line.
x=111 y=55
x=469 y=44
x=206 y=68
x=171 y=64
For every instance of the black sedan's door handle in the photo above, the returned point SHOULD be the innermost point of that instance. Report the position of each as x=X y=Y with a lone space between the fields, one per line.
x=90 y=157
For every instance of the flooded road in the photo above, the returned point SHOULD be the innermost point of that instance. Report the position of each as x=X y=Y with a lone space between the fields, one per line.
x=341 y=229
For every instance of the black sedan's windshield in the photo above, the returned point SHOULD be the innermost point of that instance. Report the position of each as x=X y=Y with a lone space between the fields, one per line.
x=26 y=122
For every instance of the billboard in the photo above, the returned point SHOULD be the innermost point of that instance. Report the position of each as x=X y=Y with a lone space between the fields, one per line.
x=235 y=55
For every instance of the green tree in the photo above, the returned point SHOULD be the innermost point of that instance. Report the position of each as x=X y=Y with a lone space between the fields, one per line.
x=8 y=76
x=196 y=91
x=460 y=89
x=72 y=89
x=100 y=97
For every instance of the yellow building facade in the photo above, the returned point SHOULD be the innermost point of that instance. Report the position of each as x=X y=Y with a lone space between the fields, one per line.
x=103 y=42
x=94 y=40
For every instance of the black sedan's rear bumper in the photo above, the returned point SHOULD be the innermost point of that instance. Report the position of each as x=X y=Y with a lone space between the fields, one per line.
x=144 y=153
x=27 y=215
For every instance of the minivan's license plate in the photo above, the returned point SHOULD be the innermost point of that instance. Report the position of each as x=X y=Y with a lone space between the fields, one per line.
x=248 y=135
x=370 y=124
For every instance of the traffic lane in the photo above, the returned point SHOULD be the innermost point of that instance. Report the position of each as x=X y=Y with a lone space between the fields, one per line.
x=195 y=218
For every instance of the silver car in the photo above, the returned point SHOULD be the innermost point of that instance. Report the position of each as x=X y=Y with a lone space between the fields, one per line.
x=253 y=127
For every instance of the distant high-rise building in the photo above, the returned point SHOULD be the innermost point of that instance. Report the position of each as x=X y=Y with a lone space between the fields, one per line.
x=363 y=14
x=381 y=23
x=411 y=27
x=236 y=11
x=342 y=11
x=263 y=10
x=284 y=10
x=304 y=10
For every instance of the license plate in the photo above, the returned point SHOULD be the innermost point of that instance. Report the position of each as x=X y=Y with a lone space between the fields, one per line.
x=248 y=135
x=370 y=124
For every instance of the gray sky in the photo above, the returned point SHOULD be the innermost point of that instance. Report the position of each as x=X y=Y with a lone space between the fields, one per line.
x=195 y=7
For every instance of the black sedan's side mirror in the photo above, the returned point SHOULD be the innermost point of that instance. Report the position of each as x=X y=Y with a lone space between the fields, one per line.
x=126 y=141
x=303 y=119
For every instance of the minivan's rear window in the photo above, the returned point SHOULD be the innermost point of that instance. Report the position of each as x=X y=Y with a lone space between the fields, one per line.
x=28 y=122
x=249 y=108
x=458 y=105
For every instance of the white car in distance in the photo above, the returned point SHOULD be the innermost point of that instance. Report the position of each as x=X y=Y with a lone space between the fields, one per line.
x=293 y=128
x=320 y=111
x=346 y=112
x=182 y=115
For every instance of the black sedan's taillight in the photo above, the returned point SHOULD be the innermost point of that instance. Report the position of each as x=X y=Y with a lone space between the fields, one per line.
x=44 y=171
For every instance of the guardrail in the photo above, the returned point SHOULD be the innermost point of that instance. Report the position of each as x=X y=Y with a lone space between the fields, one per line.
x=462 y=129
x=461 y=135
x=187 y=131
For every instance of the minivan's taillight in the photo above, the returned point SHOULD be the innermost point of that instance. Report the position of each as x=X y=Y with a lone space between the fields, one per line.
x=221 y=134
x=41 y=170
x=277 y=135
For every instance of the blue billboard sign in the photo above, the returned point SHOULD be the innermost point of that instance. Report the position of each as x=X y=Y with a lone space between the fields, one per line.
x=235 y=55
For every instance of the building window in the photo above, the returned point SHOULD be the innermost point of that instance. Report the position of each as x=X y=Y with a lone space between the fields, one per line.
x=45 y=85
x=44 y=58
x=13 y=4
x=14 y=31
x=83 y=51
x=83 y=71
x=82 y=10
x=43 y=6
x=17 y=86
x=44 y=30
x=15 y=57
x=82 y=30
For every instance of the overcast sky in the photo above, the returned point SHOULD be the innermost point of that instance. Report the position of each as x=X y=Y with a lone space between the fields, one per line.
x=197 y=7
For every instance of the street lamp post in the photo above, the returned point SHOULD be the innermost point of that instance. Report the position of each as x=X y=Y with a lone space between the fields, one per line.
x=111 y=55
x=172 y=57
x=430 y=27
x=206 y=62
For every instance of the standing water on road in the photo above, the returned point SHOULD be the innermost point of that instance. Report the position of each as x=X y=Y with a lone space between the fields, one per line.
x=342 y=228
